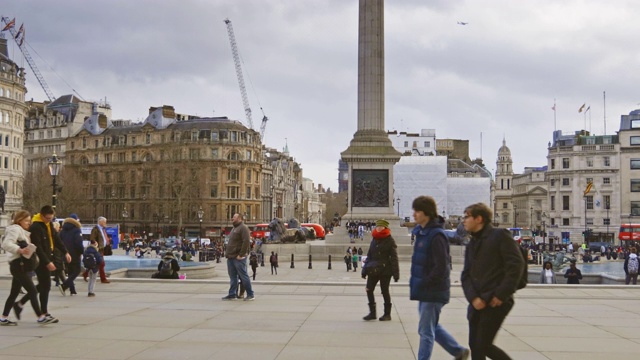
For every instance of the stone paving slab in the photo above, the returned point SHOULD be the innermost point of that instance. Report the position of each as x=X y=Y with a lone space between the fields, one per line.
x=310 y=314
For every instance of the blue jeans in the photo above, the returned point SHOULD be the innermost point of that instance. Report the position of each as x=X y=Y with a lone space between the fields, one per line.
x=429 y=330
x=237 y=268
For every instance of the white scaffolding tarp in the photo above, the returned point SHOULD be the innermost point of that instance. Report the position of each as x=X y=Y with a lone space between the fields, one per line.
x=427 y=175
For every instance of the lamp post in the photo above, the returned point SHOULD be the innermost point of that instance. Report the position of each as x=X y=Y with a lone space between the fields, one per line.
x=54 y=169
x=531 y=218
x=200 y=215
x=398 y=200
x=515 y=216
x=158 y=217
x=125 y=215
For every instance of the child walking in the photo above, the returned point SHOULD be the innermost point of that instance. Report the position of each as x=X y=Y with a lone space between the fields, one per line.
x=91 y=260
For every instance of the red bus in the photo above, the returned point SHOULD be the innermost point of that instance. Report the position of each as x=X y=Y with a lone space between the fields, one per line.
x=629 y=232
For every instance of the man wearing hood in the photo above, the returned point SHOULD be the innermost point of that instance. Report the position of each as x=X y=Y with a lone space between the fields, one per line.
x=430 y=279
x=46 y=239
x=71 y=236
x=493 y=265
x=631 y=265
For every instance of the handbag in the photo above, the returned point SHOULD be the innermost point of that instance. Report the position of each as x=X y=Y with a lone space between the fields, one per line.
x=107 y=250
x=22 y=264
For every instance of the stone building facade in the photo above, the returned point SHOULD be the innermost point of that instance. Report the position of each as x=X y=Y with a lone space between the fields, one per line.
x=12 y=114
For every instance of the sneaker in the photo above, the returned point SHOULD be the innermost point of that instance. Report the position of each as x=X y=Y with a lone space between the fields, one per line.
x=47 y=320
x=62 y=290
x=249 y=298
x=464 y=355
x=7 y=322
x=230 y=297
x=91 y=295
x=17 y=310
x=51 y=318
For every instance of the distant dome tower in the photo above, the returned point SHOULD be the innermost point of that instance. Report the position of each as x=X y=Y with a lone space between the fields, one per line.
x=504 y=168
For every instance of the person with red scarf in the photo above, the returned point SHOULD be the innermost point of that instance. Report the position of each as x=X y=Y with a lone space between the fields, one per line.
x=381 y=265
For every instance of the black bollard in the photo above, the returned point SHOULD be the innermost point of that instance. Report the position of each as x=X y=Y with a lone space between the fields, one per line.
x=262 y=259
x=310 y=267
x=329 y=262
x=292 y=266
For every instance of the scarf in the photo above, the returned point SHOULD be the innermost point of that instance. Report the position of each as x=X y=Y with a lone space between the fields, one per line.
x=380 y=234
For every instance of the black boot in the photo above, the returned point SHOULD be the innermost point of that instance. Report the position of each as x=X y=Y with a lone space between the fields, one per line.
x=372 y=312
x=387 y=313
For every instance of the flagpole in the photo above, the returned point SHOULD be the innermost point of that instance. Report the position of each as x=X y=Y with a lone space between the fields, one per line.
x=589 y=119
x=604 y=100
x=555 y=127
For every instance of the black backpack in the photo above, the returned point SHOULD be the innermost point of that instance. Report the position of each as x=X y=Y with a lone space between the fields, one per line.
x=166 y=268
x=89 y=261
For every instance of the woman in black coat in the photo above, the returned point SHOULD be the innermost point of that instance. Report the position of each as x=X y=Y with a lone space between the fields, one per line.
x=381 y=265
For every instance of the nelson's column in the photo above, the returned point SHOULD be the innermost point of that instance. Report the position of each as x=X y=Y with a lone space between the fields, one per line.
x=370 y=155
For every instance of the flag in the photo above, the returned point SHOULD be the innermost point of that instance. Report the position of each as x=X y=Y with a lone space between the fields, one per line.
x=10 y=24
x=22 y=38
x=588 y=108
x=553 y=107
x=588 y=189
x=19 y=32
x=582 y=107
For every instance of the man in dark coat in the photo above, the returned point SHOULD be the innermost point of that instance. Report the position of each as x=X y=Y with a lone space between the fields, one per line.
x=71 y=236
x=573 y=274
x=493 y=265
x=46 y=239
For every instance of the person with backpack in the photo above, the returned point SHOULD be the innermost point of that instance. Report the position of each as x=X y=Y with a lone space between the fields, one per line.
x=430 y=281
x=91 y=260
x=168 y=267
x=631 y=266
x=273 y=260
x=253 y=262
x=493 y=270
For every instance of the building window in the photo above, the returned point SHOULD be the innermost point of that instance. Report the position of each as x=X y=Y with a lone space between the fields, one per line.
x=233 y=156
x=248 y=194
x=606 y=199
x=589 y=201
x=565 y=203
x=553 y=182
x=589 y=180
x=635 y=208
x=214 y=174
x=589 y=221
x=635 y=124
x=606 y=161
x=553 y=163
x=565 y=163
x=505 y=205
x=233 y=192
x=107 y=158
x=406 y=144
x=214 y=191
x=634 y=140
x=194 y=154
x=146 y=175
x=606 y=221
x=234 y=136
x=589 y=162
x=233 y=174
x=214 y=136
x=214 y=153
x=147 y=139
x=635 y=185
x=133 y=141
x=248 y=155
x=248 y=175
x=553 y=202
x=553 y=221
x=606 y=181
x=565 y=181
x=635 y=163
x=134 y=156
x=107 y=177
x=565 y=222
x=194 y=135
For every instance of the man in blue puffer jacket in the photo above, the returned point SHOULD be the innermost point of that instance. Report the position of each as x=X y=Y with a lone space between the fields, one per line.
x=430 y=278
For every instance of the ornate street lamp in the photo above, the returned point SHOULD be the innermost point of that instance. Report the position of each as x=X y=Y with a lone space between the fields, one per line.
x=515 y=216
x=200 y=215
x=54 y=169
x=125 y=215
x=398 y=200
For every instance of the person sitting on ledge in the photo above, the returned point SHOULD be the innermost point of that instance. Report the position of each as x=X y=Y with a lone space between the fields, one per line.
x=167 y=268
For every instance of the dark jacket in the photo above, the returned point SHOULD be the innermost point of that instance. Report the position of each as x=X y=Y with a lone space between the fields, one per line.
x=239 y=241
x=383 y=253
x=71 y=236
x=92 y=250
x=96 y=234
x=40 y=238
x=175 y=267
x=493 y=265
x=573 y=279
x=430 y=264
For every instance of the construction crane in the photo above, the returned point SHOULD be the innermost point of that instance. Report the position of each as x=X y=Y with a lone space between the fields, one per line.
x=243 y=89
x=23 y=47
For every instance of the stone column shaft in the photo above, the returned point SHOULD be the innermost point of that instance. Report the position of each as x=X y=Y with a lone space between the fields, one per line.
x=371 y=65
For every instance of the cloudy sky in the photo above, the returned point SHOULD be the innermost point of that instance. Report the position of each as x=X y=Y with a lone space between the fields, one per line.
x=497 y=76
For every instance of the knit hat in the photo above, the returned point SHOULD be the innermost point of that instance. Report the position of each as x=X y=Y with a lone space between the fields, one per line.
x=74 y=216
x=382 y=222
